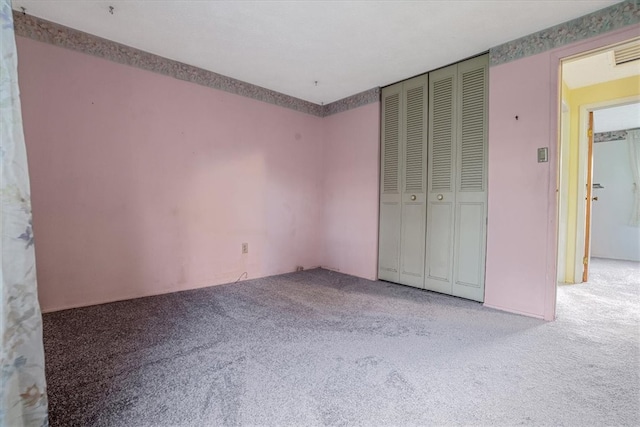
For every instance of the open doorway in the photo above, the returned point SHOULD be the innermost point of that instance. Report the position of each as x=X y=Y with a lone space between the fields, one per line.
x=598 y=196
x=615 y=231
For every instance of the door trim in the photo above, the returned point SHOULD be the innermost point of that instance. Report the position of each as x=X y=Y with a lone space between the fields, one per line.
x=587 y=199
x=556 y=56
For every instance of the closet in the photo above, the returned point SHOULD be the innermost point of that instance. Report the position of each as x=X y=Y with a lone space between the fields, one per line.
x=433 y=191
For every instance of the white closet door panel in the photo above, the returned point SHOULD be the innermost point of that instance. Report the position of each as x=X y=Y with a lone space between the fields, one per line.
x=468 y=265
x=471 y=195
x=390 y=184
x=442 y=130
x=438 y=271
x=389 y=242
x=414 y=150
x=391 y=142
x=412 y=250
x=441 y=191
x=415 y=120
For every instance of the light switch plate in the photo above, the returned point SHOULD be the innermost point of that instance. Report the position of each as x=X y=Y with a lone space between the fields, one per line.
x=543 y=154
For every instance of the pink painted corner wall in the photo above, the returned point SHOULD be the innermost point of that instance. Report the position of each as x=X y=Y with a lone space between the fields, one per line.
x=518 y=187
x=144 y=184
x=522 y=230
x=350 y=185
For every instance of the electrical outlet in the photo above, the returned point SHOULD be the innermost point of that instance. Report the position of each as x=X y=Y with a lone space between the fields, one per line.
x=245 y=248
x=299 y=268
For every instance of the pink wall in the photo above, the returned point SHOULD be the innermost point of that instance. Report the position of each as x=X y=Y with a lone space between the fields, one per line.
x=518 y=185
x=144 y=184
x=350 y=208
x=521 y=239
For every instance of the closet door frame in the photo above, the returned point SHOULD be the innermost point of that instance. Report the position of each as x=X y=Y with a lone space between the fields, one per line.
x=448 y=244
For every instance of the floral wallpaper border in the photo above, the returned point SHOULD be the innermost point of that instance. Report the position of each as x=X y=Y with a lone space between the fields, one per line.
x=61 y=36
x=616 y=135
x=614 y=17
x=69 y=38
x=602 y=21
x=353 y=101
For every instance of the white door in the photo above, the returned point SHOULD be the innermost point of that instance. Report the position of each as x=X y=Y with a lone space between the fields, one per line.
x=390 y=199
x=412 y=241
x=471 y=177
x=441 y=182
x=612 y=235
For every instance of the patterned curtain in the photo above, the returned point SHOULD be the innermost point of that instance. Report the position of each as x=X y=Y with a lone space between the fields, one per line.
x=633 y=136
x=23 y=398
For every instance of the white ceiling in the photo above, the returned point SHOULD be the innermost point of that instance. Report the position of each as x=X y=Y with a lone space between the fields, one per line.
x=347 y=46
x=597 y=68
x=617 y=118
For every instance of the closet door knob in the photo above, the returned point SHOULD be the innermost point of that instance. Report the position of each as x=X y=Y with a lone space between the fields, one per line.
x=440 y=197
x=413 y=197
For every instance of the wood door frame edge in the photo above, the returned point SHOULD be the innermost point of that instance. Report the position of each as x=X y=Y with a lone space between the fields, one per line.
x=588 y=194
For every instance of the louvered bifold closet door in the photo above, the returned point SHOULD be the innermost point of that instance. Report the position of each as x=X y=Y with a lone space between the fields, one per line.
x=390 y=184
x=441 y=180
x=414 y=149
x=471 y=180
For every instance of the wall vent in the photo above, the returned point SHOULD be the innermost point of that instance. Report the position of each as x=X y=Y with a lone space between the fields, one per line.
x=627 y=54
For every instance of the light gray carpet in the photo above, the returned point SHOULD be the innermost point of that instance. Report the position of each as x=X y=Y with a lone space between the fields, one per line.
x=323 y=348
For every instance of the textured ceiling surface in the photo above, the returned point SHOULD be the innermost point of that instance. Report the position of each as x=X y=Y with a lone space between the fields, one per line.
x=620 y=117
x=287 y=46
x=598 y=67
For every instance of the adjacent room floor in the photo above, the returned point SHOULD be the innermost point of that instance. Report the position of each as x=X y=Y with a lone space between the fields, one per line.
x=322 y=348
